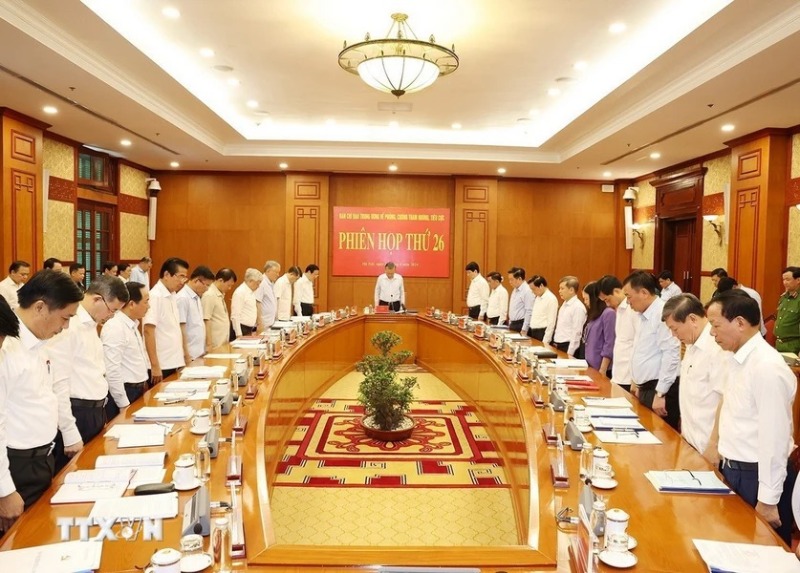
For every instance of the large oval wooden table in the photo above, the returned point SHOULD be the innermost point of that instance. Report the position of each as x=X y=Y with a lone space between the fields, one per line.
x=663 y=524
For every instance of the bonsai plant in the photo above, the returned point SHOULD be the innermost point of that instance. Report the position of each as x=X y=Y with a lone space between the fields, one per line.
x=386 y=399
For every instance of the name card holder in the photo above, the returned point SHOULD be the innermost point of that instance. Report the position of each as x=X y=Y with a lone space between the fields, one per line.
x=212 y=439
x=558 y=469
x=196 y=514
x=574 y=436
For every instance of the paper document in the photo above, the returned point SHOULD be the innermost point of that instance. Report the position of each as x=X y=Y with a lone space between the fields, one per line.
x=203 y=372
x=141 y=436
x=626 y=437
x=570 y=363
x=604 y=423
x=687 y=481
x=154 y=459
x=249 y=344
x=603 y=412
x=67 y=557
x=92 y=485
x=723 y=557
x=601 y=402
x=170 y=413
x=163 y=505
x=516 y=337
x=176 y=396
x=184 y=387
x=223 y=356
x=573 y=377
x=117 y=430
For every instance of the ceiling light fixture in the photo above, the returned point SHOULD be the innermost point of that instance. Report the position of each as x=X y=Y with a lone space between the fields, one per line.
x=456 y=125
x=399 y=63
x=252 y=104
x=174 y=164
x=392 y=167
x=728 y=127
x=125 y=142
x=580 y=66
x=283 y=165
x=394 y=124
x=553 y=92
x=501 y=170
x=171 y=12
x=207 y=52
x=655 y=155
x=606 y=173
x=617 y=27
x=49 y=109
x=233 y=82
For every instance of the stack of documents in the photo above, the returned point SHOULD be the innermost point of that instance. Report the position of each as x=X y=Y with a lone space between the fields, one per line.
x=145 y=474
x=67 y=557
x=602 y=402
x=163 y=505
x=686 y=481
x=570 y=363
x=137 y=435
x=627 y=424
x=200 y=372
x=93 y=485
x=164 y=413
x=251 y=343
x=722 y=557
x=604 y=412
x=639 y=437
x=155 y=459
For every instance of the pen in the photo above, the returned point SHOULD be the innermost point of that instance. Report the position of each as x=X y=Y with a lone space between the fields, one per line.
x=220 y=505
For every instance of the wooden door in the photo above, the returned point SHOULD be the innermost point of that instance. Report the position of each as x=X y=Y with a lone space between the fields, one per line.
x=684 y=233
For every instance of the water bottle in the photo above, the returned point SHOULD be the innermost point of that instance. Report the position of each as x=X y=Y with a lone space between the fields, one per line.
x=202 y=459
x=586 y=460
x=221 y=545
x=597 y=521
x=216 y=412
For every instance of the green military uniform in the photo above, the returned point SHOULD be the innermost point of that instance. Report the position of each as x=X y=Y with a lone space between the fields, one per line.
x=787 y=323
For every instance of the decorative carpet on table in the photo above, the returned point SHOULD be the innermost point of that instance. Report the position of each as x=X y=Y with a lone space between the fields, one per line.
x=443 y=486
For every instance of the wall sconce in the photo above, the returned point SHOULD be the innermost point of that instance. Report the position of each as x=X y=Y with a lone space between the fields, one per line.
x=630 y=194
x=636 y=231
x=711 y=220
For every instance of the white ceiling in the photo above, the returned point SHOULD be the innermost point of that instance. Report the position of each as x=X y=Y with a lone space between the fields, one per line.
x=679 y=71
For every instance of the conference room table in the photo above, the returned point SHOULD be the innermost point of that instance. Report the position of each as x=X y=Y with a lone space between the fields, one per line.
x=663 y=524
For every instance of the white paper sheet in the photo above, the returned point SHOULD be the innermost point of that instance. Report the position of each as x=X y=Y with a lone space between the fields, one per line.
x=67 y=557
x=602 y=402
x=203 y=372
x=184 y=387
x=115 y=431
x=151 y=459
x=223 y=356
x=163 y=505
x=603 y=412
x=602 y=423
x=141 y=436
x=746 y=558
x=629 y=437
x=190 y=397
x=171 y=413
x=686 y=481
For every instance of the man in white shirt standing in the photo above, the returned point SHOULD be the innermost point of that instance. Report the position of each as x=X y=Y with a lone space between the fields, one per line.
x=755 y=421
x=625 y=327
x=728 y=283
x=32 y=409
x=18 y=273
x=702 y=373
x=123 y=350
x=77 y=358
x=283 y=292
x=140 y=273
x=545 y=311
x=389 y=290
x=190 y=312
x=668 y=286
x=266 y=294
x=304 y=291
x=571 y=317
x=478 y=292
x=656 y=358
x=163 y=338
x=497 y=308
x=245 y=309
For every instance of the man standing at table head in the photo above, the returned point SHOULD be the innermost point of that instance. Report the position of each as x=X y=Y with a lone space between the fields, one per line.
x=571 y=317
x=389 y=289
x=304 y=291
x=625 y=327
x=755 y=421
x=702 y=373
x=545 y=311
x=283 y=292
x=787 y=321
x=32 y=410
x=668 y=287
x=77 y=271
x=190 y=312
x=140 y=273
x=162 y=327
x=245 y=308
x=78 y=362
x=521 y=304
x=478 y=292
x=656 y=358
x=18 y=273
x=266 y=294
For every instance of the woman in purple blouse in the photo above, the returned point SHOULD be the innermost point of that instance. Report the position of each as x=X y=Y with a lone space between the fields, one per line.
x=598 y=333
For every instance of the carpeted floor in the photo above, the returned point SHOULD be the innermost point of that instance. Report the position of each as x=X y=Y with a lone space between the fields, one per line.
x=443 y=486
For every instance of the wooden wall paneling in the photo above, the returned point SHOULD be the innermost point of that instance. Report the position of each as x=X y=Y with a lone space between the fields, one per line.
x=21 y=188
x=746 y=233
x=220 y=220
x=307 y=228
x=474 y=233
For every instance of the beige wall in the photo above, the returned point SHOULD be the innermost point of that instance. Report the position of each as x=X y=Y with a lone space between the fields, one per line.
x=133 y=243
x=715 y=254
x=642 y=256
x=59 y=241
x=793 y=248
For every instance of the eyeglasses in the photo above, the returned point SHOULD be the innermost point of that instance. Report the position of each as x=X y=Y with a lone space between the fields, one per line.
x=105 y=303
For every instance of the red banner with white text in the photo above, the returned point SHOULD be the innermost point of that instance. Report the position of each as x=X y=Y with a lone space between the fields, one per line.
x=416 y=240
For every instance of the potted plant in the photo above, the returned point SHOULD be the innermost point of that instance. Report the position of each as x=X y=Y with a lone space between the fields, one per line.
x=386 y=399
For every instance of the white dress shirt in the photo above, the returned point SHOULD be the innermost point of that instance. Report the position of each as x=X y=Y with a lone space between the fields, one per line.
x=498 y=304
x=656 y=353
x=544 y=313
x=569 y=325
x=31 y=408
x=390 y=289
x=478 y=294
x=125 y=356
x=265 y=294
x=756 y=297
x=243 y=308
x=139 y=276
x=163 y=314
x=190 y=313
x=627 y=324
x=755 y=423
x=303 y=293
x=76 y=355
x=215 y=313
x=283 y=296
x=8 y=289
x=702 y=378
x=670 y=291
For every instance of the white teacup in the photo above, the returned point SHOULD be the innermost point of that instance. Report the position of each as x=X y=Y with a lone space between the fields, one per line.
x=616 y=542
x=165 y=560
x=616 y=521
x=201 y=422
x=603 y=471
x=183 y=474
